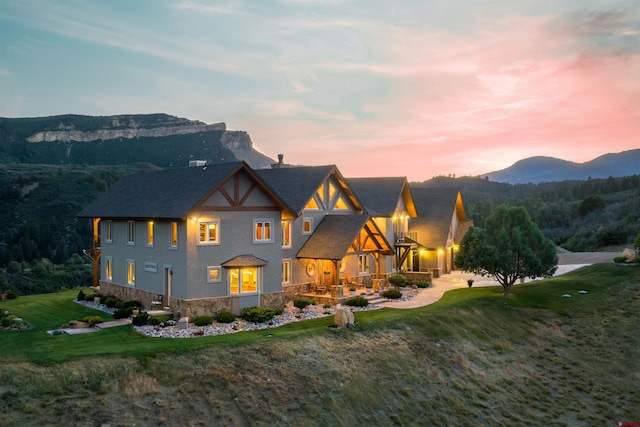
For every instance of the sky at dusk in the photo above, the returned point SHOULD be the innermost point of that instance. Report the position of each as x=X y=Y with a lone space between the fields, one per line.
x=379 y=88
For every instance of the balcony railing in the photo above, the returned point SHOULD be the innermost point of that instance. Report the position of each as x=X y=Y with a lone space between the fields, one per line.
x=406 y=238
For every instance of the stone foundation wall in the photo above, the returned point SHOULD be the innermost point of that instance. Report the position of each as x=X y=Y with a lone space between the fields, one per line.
x=126 y=293
x=272 y=300
x=189 y=308
x=292 y=292
x=199 y=307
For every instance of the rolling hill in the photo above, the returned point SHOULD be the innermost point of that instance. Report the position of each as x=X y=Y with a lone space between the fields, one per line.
x=549 y=169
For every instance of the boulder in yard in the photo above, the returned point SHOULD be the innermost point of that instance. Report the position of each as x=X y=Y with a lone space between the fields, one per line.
x=343 y=317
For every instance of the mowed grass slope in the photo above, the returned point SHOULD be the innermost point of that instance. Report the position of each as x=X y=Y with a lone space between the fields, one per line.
x=474 y=358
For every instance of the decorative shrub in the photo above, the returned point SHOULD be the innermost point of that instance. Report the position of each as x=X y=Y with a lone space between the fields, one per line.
x=619 y=259
x=392 y=294
x=89 y=297
x=225 y=317
x=103 y=298
x=123 y=313
x=398 y=280
x=357 y=302
x=326 y=305
x=131 y=304
x=80 y=296
x=419 y=283
x=258 y=314
x=141 y=319
x=158 y=320
x=92 y=320
x=11 y=294
x=111 y=301
x=202 y=320
x=303 y=302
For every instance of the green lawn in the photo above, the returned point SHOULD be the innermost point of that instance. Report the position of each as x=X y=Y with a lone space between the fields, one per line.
x=49 y=311
x=473 y=358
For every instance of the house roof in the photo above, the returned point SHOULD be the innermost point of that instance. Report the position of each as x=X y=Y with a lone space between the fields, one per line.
x=297 y=185
x=380 y=196
x=436 y=207
x=244 y=261
x=167 y=194
x=334 y=236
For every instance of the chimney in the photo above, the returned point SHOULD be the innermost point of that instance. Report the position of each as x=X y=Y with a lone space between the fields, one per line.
x=280 y=158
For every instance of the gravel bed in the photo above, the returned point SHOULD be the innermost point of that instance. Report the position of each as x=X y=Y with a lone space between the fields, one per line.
x=291 y=314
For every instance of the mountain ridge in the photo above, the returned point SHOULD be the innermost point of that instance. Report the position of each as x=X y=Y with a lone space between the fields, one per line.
x=160 y=139
x=550 y=169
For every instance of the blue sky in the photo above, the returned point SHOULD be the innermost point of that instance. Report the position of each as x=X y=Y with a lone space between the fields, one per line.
x=409 y=88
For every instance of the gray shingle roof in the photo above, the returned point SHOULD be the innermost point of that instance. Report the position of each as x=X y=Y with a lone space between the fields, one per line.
x=436 y=207
x=244 y=261
x=335 y=234
x=296 y=185
x=167 y=194
x=380 y=195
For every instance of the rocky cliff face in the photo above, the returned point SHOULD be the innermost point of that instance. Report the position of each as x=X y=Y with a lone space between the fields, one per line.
x=156 y=138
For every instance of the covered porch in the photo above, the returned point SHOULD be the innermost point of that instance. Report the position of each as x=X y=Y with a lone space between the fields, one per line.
x=340 y=249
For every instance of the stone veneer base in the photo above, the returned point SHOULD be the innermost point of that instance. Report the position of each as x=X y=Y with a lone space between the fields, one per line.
x=187 y=308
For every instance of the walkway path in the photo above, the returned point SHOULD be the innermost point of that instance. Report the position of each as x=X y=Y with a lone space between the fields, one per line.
x=458 y=279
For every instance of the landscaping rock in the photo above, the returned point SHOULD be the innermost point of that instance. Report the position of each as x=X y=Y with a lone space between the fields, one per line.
x=629 y=254
x=183 y=323
x=343 y=317
x=566 y=296
x=582 y=292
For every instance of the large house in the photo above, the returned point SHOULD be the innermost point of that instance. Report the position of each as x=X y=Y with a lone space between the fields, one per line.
x=224 y=237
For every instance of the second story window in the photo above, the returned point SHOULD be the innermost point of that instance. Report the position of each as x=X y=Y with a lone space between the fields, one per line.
x=286 y=234
x=208 y=232
x=150 y=234
x=131 y=233
x=107 y=231
x=262 y=230
x=307 y=225
x=174 y=235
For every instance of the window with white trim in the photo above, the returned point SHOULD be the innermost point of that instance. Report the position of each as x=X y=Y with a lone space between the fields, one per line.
x=286 y=234
x=363 y=264
x=262 y=230
x=214 y=274
x=307 y=225
x=243 y=280
x=286 y=271
x=107 y=232
x=149 y=234
x=131 y=232
x=208 y=232
x=108 y=268
x=131 y=272
x=174 y=235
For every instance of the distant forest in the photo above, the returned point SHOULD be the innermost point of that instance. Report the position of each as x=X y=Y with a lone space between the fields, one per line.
x=39 y=203
x=577 y=215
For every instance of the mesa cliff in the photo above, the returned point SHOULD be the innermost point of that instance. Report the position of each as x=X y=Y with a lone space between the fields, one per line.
x=160 y=139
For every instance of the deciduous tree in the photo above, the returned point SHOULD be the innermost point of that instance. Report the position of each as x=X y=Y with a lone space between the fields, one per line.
x=509 y=248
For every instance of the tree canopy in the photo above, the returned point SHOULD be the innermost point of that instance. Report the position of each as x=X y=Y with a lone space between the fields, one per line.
x=510 y=247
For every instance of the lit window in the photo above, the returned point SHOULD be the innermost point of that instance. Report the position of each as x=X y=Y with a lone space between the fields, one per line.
x=131 y=272
x=151 y=267
x=262 y=230
x=363 y=263
x=312 y=204
x=340 y=204
x=320 y=193
x=214 y=275
x=286 y=234
x=208 y=232
x=131 y=233
x=174 y=235
x=150 y=234
x=286 y=271
x=332 y=190
x=243 y=280
x=307 y=225
x=107 y=232
x=108 y=269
